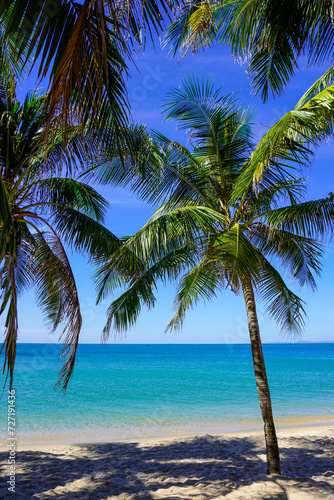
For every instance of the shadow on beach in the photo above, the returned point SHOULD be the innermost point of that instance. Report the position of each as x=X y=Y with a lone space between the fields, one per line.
x=206 y=467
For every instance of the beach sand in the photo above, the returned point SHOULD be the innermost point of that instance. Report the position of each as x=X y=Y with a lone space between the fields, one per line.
x=229 y=467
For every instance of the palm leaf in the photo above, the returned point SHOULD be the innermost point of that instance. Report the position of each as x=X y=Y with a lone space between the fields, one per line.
x=84 y=48
x=9 y=296
x=7 y=233
x=124 y=311
x=310 y=219
x=284 y=306
x=270 y=35
x=56 y=192
x=57 y=295
x=156 y=240
x=135 y=162
x=162 y=232
x=201 y=282
x=83 y=233
x=326 y=80
x=183 y=174
x=198 y=107
x=298 y=255
x=289 y=141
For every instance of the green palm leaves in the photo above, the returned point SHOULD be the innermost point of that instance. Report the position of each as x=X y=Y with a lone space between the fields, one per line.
x=270 y=35
x=85 y=48
x=222 y=223
x=292 y=139
x=43 y=207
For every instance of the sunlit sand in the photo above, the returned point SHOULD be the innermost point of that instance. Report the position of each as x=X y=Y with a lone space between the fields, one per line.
x=228 y=466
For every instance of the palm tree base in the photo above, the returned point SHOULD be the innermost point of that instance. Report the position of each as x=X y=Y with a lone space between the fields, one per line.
x=273 y=459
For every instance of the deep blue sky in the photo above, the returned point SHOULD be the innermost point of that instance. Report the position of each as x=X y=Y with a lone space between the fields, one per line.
x=224 y=319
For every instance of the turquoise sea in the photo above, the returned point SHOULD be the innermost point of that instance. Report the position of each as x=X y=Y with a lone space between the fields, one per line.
x=129 y=390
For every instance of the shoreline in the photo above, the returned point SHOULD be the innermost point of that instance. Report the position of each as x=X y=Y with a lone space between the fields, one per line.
x=157 y=434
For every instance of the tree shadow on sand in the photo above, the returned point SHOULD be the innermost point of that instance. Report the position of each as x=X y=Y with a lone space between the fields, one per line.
x=205 y=467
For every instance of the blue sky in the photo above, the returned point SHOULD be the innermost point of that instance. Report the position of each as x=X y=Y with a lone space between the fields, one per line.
x=224 y=319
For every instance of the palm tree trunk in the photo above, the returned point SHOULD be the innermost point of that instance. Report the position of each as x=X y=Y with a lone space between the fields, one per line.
x=273 y=460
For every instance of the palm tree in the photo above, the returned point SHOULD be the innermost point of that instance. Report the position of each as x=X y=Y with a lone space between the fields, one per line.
x=269 y=34
x=83 y=48
x=44 y=206
x=217 y=229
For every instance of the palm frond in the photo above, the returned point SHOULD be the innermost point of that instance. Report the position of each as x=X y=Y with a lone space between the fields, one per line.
x=321 y=34
x=271 y=69
x=183 y=175
x=90 y=72
x=289 y=142
x=282 y=305
x=309 y=219
x=55 y=192
x=163 y=232
x=24 y=272
x=237 y=255
x=83 y=233
x=199 y=108
x=201 y=282
x=7 y=232
x=182 y=223
x=57 y=296
x=274 y=190
x=124 y=311
x=9 y=298
x=298 y=255
x=84 y=48
x=326 y=80
x=270 y=35
x=198 y=24
x=136 y=162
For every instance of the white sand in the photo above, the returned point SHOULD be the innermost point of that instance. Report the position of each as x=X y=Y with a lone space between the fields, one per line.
x=229 y=467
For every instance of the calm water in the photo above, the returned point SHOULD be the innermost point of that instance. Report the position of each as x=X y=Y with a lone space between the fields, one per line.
x=122 y=387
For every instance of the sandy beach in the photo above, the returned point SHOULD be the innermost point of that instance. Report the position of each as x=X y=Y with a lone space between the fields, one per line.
x=228 y=466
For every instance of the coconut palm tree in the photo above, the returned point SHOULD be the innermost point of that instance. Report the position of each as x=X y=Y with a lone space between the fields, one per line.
x=269 y=34
x=44 y=206
x=216 y=229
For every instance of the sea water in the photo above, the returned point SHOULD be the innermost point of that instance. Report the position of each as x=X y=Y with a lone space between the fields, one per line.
x=127 y=390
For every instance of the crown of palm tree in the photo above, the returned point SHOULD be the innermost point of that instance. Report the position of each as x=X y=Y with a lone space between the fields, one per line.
x=216 y=227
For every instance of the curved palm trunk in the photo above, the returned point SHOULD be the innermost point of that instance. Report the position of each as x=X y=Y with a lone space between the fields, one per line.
x=273 y=460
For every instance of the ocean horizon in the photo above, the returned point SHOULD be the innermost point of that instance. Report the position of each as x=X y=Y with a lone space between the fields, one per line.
x=125 y=390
